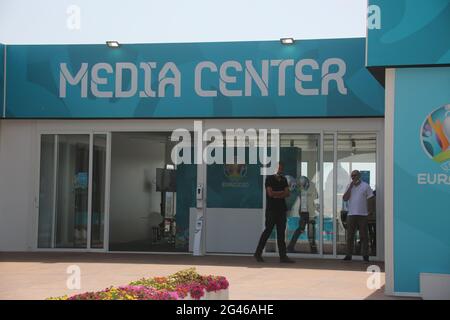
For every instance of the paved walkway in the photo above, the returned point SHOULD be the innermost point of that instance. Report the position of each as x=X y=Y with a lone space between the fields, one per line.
x=41 y=275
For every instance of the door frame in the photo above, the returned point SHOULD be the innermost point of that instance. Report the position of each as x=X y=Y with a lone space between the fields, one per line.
x=88 y=248
x=379 y=199
x=91 y=127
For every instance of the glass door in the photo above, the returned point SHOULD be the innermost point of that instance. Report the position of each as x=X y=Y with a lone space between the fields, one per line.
x=318 y=170
x=356 y=151
x=72 y=191
x=300 y=154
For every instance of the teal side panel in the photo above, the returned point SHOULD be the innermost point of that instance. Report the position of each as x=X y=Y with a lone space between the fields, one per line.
x=421 y=175
x=412 y=32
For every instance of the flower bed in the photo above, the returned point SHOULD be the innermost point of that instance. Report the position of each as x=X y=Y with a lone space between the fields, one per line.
x=183 y=285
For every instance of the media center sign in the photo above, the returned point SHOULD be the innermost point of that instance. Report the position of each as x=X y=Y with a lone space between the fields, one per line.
x=312 y=78
x=170 y=75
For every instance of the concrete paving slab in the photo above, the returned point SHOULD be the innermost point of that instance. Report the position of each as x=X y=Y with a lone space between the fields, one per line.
x=40 y=275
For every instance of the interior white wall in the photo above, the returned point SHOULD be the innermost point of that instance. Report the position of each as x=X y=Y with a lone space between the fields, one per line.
x=131 y=201
x=16 y=184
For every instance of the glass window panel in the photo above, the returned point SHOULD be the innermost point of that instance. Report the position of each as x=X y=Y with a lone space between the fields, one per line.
x=72 y=191
x=46 y=191
x=300 y=155
x=328 y=195
x=98 y=190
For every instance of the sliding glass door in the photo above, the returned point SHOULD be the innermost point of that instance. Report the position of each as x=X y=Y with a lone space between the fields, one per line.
x=72 y=191
x=300 y=154
x=356 y=151
x=318 y=168
x=343 y=153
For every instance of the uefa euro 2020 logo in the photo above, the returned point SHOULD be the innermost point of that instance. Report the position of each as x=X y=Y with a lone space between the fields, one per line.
x=235 y=172
x=435 y=136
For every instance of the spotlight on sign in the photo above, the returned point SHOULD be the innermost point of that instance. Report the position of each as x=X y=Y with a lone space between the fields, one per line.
x=113 y=44
x=287 y=41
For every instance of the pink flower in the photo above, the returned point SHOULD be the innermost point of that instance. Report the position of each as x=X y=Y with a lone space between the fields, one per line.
x=223 y=283
x=197 y=291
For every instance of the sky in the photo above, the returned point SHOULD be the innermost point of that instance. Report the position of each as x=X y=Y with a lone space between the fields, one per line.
x=165 y=21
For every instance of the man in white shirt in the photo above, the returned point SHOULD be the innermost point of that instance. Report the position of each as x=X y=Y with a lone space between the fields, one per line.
x=357 y=194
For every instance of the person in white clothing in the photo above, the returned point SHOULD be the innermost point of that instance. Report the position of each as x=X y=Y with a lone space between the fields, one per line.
x=357 y=194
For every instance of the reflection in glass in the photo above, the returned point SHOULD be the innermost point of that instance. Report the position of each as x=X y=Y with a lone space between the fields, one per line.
x=328 y=195
x=98 y=190
x=72 y=191
x=46 y=191
x=64 y=190
x=300 y=155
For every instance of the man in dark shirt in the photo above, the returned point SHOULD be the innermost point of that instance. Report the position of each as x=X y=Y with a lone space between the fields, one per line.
x=277 y=190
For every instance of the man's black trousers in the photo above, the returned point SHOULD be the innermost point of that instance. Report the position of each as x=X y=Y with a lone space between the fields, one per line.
x=278 y=219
